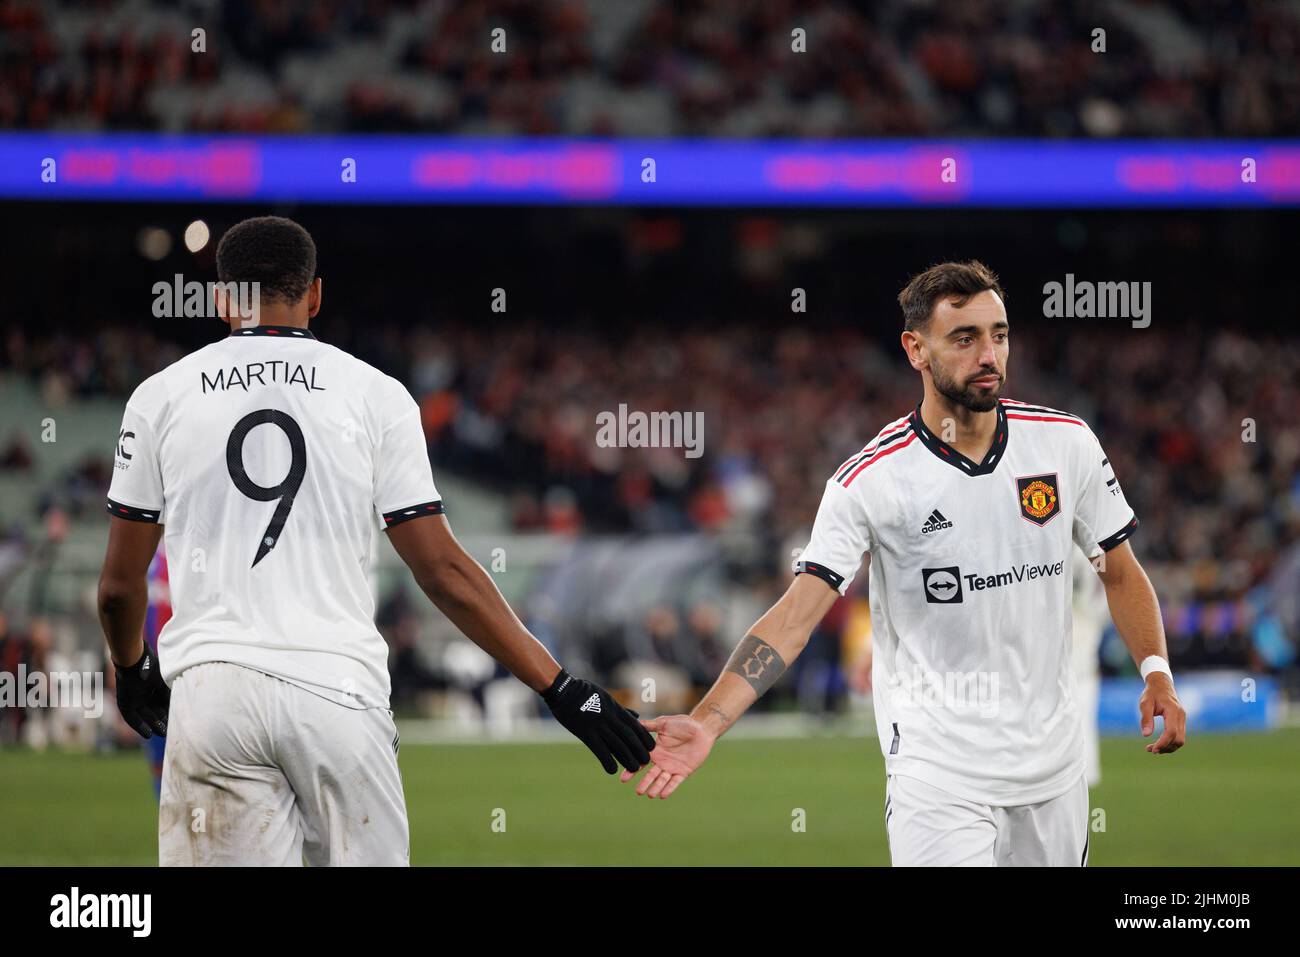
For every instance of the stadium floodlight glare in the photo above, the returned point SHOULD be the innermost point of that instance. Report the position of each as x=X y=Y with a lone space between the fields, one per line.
x=196 y=235
x=153 y=243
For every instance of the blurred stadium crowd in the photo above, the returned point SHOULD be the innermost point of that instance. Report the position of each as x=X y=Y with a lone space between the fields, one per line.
x=1186 y=68
x=513 y=408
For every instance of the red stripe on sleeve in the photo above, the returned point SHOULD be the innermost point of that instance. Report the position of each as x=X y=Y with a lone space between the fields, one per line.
x=1042 y=418
x=879 y=455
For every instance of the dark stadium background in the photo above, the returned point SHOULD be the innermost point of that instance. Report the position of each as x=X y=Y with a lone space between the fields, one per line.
x=603 y=286
x=685 y=309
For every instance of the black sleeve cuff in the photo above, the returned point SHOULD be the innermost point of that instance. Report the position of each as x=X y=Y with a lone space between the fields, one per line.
x=820 y=571
x=133 y=514
x=1123 y=535
x=415 y=511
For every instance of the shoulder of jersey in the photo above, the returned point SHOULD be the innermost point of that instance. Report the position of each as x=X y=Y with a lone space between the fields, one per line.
x=1041 y=415
x=385 y=394
x=360 y=367
x=155 y=391
x=1047 y=425
x=884 y=448
x=199 y=356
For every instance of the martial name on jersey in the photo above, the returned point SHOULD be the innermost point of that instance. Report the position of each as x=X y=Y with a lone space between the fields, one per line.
x=269 y=372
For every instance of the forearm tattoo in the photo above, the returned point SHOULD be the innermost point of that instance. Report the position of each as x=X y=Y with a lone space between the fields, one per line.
x=757 y=662
x=724 y=720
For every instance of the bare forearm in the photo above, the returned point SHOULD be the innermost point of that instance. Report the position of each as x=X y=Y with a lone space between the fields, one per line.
x=464 y=593
x=1136 y=612
x=753 y=668
x=122 y=607
x=771 y=646
x=123 y=595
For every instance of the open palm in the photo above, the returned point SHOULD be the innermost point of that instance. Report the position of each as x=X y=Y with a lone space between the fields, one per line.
x=681 y=746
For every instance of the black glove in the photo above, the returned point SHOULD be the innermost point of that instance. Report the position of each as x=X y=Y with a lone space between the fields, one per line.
x=142 y=695
x=599 y=722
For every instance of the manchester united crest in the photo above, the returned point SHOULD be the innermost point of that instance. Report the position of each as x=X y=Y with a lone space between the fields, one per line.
x=1039 y=500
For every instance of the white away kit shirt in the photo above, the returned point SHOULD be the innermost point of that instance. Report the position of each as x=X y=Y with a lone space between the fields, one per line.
x=272 y=458
x=970 y=590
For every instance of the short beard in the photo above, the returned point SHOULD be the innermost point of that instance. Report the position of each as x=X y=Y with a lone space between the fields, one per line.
x=968 y=398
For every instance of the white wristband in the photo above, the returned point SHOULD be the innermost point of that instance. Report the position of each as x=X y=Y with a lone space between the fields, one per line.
x=1154 y=663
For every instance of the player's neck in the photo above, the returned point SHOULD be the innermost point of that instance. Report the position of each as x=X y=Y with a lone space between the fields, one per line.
x=277 y=317
x=967 y=431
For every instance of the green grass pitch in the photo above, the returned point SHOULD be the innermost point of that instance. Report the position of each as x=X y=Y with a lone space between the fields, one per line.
x=1225 y=799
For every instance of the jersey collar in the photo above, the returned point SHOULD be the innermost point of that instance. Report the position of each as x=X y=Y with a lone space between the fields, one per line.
x=280 y=332
x=947 y=453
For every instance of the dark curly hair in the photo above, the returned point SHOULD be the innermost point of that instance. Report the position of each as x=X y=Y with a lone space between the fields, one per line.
x=273 y=251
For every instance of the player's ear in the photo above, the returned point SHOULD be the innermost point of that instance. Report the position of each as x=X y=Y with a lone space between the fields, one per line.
x=313 y=298
x=221 y=302
x=914 y=347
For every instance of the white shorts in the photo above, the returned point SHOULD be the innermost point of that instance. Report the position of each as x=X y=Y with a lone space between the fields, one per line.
x=260 y=772
x=931 y=828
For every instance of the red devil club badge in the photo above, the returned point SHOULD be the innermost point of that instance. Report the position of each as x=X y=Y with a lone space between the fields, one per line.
x=1039 y=500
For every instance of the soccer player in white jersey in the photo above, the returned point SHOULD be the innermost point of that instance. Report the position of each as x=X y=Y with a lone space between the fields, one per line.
x=968 y=509
x=270 y=459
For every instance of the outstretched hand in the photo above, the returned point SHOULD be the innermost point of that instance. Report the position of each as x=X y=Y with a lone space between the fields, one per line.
x=681 y=747
x=592 y=716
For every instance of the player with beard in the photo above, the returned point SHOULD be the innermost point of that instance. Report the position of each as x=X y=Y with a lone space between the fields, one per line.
x=969 y=508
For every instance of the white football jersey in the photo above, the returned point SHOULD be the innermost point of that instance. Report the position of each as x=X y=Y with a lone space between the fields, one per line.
x=970 y=589
x=271 y=458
